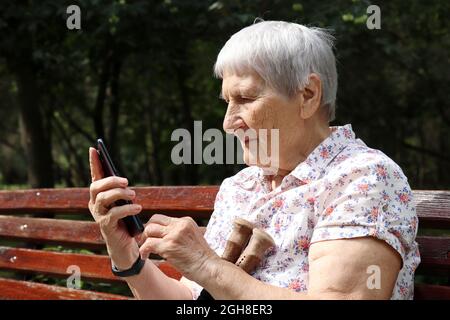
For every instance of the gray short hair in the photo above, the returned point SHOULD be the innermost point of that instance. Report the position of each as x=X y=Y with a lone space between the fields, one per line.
x=284 y=54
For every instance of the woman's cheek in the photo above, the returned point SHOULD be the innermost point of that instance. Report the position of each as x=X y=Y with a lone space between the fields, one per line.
x=259 y=116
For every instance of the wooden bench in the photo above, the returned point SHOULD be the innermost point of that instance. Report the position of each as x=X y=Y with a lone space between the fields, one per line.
x=71 y=226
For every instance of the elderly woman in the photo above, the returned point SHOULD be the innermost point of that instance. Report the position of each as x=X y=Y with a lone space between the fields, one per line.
x=340 y=213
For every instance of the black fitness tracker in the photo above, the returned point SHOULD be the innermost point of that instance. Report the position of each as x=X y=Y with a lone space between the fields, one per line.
x=134 y=270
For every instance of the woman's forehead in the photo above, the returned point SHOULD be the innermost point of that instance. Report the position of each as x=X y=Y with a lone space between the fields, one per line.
x=242 y=82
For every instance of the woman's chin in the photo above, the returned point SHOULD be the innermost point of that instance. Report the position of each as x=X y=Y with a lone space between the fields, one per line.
x=269 y=168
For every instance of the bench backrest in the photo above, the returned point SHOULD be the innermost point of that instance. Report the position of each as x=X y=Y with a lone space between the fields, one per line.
x=433 y=208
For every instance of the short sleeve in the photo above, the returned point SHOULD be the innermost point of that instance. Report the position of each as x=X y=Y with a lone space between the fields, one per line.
x=370 y=199
x=193 y=286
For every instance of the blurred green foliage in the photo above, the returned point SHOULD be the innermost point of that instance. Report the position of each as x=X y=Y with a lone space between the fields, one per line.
x=137 y=70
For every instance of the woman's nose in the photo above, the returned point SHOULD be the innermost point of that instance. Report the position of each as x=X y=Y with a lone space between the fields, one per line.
x=231 y=124
x=232 y=121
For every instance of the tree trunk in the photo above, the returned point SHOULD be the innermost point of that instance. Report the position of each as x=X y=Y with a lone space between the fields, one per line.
x=191 y=171
x=153 y=162
x=35 y=139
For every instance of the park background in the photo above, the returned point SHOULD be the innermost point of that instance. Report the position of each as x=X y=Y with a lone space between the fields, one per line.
x=138 y=70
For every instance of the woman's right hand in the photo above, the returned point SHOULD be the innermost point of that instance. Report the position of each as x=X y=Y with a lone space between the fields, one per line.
x=122 y=248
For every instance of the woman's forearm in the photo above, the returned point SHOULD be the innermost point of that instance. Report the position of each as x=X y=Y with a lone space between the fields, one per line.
x=152 y=284
x=226 y=281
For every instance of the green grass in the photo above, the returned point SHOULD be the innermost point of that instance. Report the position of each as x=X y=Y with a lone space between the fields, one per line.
x=113 y=288
x=14 y=186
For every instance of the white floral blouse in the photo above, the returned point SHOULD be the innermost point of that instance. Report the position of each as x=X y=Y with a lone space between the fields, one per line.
x=344 y=189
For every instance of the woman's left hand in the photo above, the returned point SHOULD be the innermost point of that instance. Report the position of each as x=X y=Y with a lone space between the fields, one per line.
x=180 y=241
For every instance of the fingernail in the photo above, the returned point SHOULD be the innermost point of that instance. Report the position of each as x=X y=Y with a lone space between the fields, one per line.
x=137 y=207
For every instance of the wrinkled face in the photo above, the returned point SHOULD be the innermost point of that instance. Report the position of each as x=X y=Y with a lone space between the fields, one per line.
x=253 y=106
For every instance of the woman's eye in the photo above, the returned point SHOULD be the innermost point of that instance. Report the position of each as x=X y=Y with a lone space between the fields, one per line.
x=245 y=99
x=239 y=100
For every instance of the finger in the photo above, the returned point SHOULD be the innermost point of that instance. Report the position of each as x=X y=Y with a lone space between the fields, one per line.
x=110 y=220
x=106 y=184
x=120 y=212
x=106 y=198
x=153 y=230
x=151 y=245
x=140 y=239
x=160 y=219
x=95 y=165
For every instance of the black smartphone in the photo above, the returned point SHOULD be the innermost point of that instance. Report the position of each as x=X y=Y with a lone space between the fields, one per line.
x=133 y=223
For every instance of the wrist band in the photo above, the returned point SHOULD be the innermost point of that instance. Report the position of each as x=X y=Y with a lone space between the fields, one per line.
x=134 y=270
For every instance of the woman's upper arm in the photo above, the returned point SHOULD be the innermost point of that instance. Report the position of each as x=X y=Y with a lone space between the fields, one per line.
x=358 y=268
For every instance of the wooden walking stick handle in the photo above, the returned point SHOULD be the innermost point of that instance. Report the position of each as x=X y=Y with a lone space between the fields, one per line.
x=242 y=231
x=253 y=254
x=254 y=240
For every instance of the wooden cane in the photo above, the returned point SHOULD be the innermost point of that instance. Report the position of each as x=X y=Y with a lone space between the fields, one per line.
x=250 y=257
x=242 y=231
x=253 y=253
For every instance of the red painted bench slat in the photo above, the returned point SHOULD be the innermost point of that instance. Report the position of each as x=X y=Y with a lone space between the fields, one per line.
x=67 y=232
x=75 y=200
x=23 y=290
x=434 y=253
x=84 y=234
x=434 y=247
x=431 y=292
x=432 y=205
x=93 y=267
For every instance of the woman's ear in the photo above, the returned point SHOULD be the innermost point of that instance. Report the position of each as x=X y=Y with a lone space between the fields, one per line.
x=311 y=96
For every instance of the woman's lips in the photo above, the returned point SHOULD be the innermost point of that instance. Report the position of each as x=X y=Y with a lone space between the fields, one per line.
x=245 y=135
x=247 y=140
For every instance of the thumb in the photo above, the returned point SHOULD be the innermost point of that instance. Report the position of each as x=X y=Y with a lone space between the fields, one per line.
x=95 y=165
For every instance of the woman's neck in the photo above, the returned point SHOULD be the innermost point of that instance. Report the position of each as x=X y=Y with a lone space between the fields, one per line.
x=275 y=180
x=309 y=143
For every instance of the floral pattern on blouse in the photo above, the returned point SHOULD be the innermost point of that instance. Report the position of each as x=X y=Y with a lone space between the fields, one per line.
x=343 y=190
